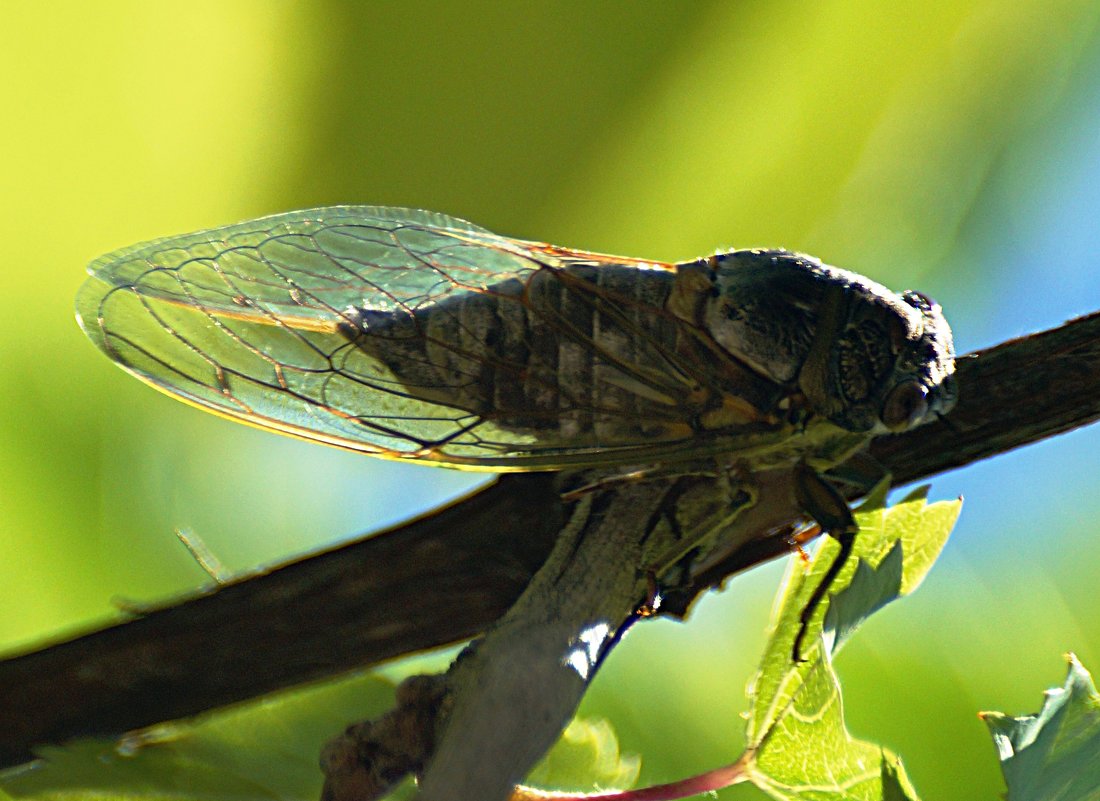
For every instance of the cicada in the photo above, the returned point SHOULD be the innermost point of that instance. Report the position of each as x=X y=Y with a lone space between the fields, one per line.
x=413 y=335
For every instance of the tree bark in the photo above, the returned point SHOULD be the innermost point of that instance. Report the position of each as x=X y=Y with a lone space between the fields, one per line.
x=444 y=577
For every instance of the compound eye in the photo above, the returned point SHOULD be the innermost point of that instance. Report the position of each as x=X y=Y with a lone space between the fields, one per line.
x=905 y=406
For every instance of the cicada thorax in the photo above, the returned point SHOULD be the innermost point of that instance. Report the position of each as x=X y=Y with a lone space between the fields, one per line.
x=578 y=354
x=863 y=357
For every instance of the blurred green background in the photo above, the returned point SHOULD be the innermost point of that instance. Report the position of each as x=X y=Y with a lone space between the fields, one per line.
x=949 y=146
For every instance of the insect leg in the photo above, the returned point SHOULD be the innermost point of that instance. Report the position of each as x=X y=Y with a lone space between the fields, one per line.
x=604 y=482
x=651 y=473
x=861 y=471
x=665 y=515
x=696 y=517
x=821 y=501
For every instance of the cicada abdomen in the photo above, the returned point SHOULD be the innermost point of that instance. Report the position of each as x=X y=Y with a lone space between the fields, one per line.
x=582 y=355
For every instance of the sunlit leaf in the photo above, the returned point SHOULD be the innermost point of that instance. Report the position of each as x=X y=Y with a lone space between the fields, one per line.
x=587 y=755
x=799 y=746
x=1053 y=755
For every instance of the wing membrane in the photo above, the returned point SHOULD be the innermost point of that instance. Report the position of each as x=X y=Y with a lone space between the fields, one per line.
x=353 y=326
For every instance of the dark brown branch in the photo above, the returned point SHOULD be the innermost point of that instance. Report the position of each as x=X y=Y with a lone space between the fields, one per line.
x=434 y=580
x=444 y=577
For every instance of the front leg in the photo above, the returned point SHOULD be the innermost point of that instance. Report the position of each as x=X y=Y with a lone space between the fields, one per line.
x=821 y=501
x=694 y=518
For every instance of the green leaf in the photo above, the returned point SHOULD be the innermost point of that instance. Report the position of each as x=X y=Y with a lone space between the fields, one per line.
x=587 y=754
x=799 y=746
x=263 y=751
x=1053 y=755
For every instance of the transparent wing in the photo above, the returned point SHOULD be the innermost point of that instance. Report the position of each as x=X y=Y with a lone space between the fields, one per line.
x=400 y=333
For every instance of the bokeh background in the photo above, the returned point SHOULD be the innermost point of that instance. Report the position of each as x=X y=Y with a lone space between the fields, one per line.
x=951 y=146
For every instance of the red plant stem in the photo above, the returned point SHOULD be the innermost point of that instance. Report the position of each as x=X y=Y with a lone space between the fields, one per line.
x=695 y=785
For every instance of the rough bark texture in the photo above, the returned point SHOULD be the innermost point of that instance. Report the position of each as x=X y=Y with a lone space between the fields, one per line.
x=445 y=577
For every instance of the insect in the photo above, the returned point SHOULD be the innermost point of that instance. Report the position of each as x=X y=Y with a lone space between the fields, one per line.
x=413 y=335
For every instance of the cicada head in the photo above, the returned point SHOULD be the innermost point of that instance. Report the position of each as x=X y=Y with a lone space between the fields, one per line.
x=923 y=382
x=865 y=358
x=911 y=382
